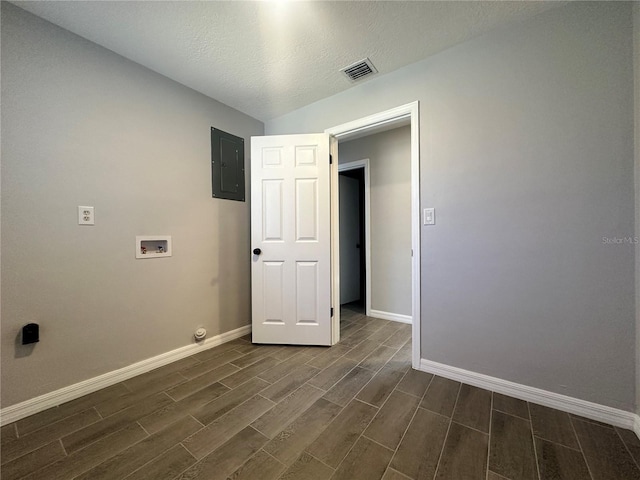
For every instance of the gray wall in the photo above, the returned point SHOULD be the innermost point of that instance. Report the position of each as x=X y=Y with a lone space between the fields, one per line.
x=526 y=147
x=389 y=155
x=84 y=126
x=636 y=63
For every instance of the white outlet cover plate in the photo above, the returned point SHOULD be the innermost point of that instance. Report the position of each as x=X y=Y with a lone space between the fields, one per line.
x=86 y=216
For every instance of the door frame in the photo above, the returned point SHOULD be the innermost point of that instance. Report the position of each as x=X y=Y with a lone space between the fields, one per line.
x=369 y=125
x=345 y=167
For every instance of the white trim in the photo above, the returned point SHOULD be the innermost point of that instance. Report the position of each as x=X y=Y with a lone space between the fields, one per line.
x=394 y=317
x=335 y=242
x=77 y=390
x=370 y=123
x=364 y=163
x=594 y=411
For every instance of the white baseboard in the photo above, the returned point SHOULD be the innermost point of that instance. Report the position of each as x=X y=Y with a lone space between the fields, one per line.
x=594 y=411
x=394 y=317
x=58 y=397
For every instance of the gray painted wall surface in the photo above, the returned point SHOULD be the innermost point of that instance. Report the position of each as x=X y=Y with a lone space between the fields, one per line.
x=526 y=148
x=84 y=126
x=636 y=63
x=389 y=155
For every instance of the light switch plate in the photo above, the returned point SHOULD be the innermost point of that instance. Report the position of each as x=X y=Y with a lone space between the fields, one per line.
x=429 y=216
x=86 y=216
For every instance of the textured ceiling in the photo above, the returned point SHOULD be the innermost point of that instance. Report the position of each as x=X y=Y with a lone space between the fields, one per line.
x=268 y=58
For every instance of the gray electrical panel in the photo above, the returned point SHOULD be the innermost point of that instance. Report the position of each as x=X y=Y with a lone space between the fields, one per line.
x=227 y=165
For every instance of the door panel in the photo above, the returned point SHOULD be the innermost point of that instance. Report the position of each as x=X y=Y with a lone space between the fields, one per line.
x=291 y=225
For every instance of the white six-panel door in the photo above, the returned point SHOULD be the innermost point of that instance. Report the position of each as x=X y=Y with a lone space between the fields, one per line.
x=291 y=230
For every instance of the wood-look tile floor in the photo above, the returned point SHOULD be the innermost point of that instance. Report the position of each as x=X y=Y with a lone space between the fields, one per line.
x=352 y=411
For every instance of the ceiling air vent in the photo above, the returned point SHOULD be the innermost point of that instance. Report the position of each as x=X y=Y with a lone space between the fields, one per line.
x=359 y=70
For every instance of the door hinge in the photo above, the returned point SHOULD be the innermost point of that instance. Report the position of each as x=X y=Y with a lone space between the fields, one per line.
x=330 y=159
x=332 y=311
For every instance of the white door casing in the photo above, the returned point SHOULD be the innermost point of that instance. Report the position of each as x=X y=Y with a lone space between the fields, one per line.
x=379 y=122
x=291 y=206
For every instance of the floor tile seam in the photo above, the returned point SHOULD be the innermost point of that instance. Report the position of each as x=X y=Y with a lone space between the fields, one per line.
x=555 y=442
x=138 y=390
x=240 y=384
x=470 y=428
x=369 y=404
x=160 y=392
x=292 y=370
x=26 y=435
x=396 y=389
x=513 y=414
x=179 y=474
x=425 y=390
x=355 y=397
x=627 y=448
x=435 y=413
x=334 y=361
x=379 y=410
x=496 y=474
x=145 y=430
x=361 y=433
x=297 y=354
x=533 y=440
x=489 y=442
x=591 y=421
x=335 y=383
x=446 y=437
x=256 y=361
x=351 y=448
x=404 y=433
x=107 y=436
x=392 y=450
x=383 y=365
x=260 y=431
x=146 y=463
x=64 y=451
x=315 y=458
x=190 y=379
x=19 y=435
x=204 y=362
x=257 y=394
x=584 y=456
x=402 y=475
x=53 y=439
x=342 y=409
x=360 y=327
x=79 y=451
x=285 y=466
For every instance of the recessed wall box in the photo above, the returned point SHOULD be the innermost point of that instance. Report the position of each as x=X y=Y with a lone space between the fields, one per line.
x=153 y=246
x=227 y=165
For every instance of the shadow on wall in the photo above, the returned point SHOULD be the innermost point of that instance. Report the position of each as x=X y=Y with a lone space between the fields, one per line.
x=21 y=350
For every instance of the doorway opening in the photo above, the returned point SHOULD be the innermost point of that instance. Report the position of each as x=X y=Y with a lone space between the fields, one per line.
x=403 y=115
x=355 y=248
